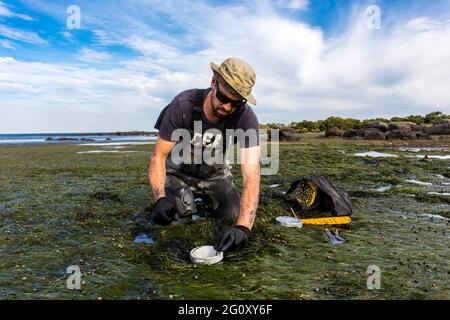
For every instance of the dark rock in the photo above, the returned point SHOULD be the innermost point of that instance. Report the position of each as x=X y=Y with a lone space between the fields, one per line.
x=394 y=135
x=357 y=134
x=134 y=133
x=287 y=135
x=350 y=133
x=439 y=129
x=374 y=134
x=383 y=127
x=284 y=134
x=409 y=135
x=49 y=139
x=403 y=126
x=416 y=127
x=423 y=136
x=401 y=135
x=67 y=139
x=334 y=132
x=87 y=139
x=108 y=139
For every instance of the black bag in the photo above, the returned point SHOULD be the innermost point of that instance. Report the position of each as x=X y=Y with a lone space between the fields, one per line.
x=318 y=193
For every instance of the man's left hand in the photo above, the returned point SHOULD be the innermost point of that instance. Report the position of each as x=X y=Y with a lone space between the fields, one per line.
x=232 y=237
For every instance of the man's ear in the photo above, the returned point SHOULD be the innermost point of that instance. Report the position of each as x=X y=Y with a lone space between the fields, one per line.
x=213 y=81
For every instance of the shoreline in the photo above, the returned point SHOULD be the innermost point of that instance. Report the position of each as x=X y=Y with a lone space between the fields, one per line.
x=15 y=139
x=78 y=134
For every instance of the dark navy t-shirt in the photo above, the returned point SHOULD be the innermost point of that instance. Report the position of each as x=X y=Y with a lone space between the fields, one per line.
x=178 y=114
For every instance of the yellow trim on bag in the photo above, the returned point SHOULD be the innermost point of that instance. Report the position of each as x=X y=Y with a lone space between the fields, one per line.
x=328 y=220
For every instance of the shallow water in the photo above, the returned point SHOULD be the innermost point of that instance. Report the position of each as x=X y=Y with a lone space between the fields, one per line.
x=15 y=139
x=104 y=151
x=440 y=193
x=383 y=188
x=443 y=157
x=375 y=154
x=419 y=182
x=115 y=143
x=411 y=149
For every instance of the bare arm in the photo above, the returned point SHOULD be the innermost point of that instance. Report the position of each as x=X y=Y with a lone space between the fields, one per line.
x=250 y=169
x=157 y=167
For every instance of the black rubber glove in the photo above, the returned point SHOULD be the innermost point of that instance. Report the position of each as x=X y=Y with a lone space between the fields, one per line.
x=164 y=212
x=231 y=237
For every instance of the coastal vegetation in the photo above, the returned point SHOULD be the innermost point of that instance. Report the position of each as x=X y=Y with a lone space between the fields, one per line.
x=350 y=123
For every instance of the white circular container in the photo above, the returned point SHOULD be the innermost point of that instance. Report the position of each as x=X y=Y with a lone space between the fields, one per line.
x=206 y=255
x=290 y=222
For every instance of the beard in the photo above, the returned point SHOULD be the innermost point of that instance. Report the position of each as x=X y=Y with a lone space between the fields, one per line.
x=220 y=112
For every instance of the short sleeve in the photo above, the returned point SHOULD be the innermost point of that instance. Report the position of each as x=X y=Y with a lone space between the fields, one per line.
x=170 y=119
x=250 y=124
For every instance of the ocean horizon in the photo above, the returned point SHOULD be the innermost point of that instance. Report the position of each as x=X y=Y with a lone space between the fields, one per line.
x=52 y=138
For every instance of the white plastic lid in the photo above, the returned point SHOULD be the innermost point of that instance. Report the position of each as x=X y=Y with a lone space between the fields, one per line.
x=206 y=255
x=287 y=221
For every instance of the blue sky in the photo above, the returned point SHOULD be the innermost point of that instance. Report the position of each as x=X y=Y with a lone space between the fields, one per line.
x=313 y=59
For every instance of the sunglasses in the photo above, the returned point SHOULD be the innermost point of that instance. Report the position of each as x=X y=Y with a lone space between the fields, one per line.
x=224 y=99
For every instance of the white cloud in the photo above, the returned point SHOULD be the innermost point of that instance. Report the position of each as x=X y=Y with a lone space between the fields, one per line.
x=92 y=56
x=68 y=98
x=152 y=48
x=362 y=73
x=294 y=4
x=301 y=74
x=422 y=24
x=67 y=35
x=20 y=35
x=6 y=12
x=6 y=44
x=107 y=38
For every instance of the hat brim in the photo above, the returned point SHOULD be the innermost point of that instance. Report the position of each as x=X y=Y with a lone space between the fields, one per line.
x=249 y=97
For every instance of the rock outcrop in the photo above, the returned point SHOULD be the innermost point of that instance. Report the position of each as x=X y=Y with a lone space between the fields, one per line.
x=373 y=134
x=287 y=134
x=377 y=130
x=383 y=127
x=440 y=129
x=403 y=126
x=334 y=132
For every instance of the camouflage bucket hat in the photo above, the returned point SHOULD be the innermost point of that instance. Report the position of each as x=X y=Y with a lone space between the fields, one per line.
x=239 y=75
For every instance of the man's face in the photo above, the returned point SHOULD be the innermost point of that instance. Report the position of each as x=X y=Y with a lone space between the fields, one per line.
x=222 y=110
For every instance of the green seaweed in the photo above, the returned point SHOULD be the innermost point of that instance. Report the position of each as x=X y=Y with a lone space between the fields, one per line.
x=59 y=208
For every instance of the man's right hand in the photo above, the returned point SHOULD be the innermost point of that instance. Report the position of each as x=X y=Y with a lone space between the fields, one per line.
x=165 y=212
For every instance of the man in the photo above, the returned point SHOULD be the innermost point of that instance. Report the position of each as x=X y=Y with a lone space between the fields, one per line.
x=222 y=106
